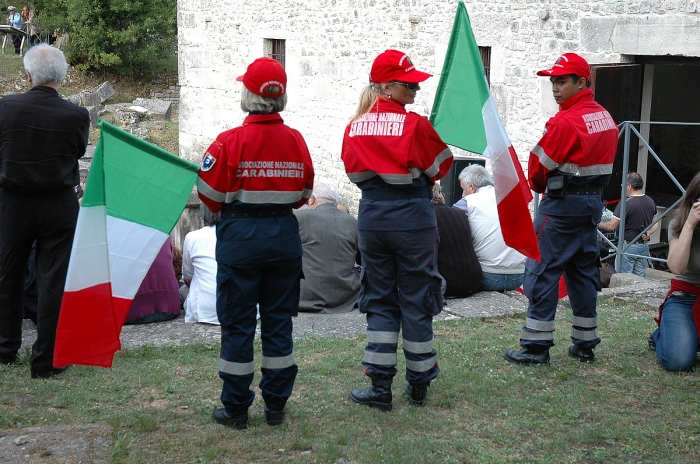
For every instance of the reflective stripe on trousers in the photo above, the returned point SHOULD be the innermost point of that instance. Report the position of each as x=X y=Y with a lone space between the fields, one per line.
x=400 y=292
x=568 y=246
x=239 y=289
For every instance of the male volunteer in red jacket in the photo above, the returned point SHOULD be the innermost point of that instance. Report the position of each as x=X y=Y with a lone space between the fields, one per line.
x=255 y=174
x=570 y=165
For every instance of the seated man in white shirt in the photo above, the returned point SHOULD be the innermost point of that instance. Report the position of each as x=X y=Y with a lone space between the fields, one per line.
x=199 y=270
x=503 y=267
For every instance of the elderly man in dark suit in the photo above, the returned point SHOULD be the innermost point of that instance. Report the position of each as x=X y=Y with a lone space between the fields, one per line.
x=329 y=237
x=42 y=137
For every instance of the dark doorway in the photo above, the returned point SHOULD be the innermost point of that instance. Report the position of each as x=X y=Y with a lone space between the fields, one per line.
x=672 y=97
x=675 y=99
x=618 y=88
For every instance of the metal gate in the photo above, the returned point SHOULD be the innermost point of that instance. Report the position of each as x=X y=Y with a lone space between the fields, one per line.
x=627 y=128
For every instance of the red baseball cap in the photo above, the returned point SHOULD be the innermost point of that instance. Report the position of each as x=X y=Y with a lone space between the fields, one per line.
x=265 y=77
x=393 y=65
x=568 y=63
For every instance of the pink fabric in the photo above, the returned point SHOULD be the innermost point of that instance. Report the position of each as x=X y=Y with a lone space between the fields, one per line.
x=159 y=292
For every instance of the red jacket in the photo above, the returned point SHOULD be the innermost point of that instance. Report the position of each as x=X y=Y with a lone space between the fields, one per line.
x=581 y=140
x=394 y=144
x=261 y=162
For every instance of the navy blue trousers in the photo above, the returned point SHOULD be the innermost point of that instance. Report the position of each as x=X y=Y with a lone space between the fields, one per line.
x=274 y=285
x=569 y=246
x=401 y=290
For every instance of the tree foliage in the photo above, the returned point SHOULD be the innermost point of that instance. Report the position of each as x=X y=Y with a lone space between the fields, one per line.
x=123 y=36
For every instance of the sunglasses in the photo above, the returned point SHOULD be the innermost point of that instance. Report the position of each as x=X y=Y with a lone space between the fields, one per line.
x=409 y=85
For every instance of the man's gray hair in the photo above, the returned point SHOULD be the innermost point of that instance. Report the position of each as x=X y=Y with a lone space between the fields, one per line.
x=438 y=196
x=257 y=104
x=475 y=174
x=46 y=64
x=209 y=218
x=635 y=180
x=325 y=190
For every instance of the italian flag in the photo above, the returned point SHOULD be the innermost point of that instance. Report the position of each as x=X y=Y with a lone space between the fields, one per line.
x=135 y=194
x=465 y=116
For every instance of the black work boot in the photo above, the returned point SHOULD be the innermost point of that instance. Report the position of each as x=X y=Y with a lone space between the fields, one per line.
x=528 y=356
x=376 y=396
x=416 y=394
x=582 y=354
x=238 y=421
x=274 y=417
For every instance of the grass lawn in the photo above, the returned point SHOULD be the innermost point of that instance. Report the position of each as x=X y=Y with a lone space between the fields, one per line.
x=622 y=408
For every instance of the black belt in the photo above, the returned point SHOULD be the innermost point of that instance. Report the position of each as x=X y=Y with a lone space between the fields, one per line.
x=395 y=194
x=583 y=190
x=231 y=212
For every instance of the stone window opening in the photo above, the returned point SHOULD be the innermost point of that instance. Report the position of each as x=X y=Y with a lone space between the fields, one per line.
x=486 y=60
x=275 y=48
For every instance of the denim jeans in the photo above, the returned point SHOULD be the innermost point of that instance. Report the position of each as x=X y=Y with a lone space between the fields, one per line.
x=676 y=338
x=634 y=265
x=500 y=282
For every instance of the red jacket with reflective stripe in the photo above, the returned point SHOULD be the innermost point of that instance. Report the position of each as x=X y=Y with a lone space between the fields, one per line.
x=261 y=162
x=394 y=144
x=580 y=140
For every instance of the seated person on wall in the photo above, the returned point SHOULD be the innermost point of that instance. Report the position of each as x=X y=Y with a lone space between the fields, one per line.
x=606 y=270
x=329 y=237
x=502 y=266
x=457 y=261
x=199 y=270
x=177 y=267
x=158 y=298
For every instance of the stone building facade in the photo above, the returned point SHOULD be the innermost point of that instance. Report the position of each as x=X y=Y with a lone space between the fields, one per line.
x=329 y=46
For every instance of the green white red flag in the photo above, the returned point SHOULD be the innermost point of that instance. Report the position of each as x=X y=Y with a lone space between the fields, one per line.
x=465 y=116
x=135 y=194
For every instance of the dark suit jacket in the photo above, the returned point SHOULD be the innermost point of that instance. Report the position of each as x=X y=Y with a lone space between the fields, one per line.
x=329 y=237
x=457 y=261
x=40 y=129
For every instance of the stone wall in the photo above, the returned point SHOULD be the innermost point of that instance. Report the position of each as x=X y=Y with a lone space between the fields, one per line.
x=171 y=94
x=330 y=46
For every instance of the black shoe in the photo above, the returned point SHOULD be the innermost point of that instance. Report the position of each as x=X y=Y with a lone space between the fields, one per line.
x=50 y=373
x=583 y=354
x=9 y=360
x=238 y=422
x=527 y=356
x=274 y=417
x=416 y=394
x=375 y=397
x=652 y=344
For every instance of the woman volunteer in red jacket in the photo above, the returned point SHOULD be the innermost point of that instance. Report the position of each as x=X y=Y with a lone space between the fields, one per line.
x=255 y=174
x=395 y=157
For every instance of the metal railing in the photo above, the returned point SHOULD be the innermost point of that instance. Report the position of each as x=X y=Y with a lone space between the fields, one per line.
x=626 y=129
x=621 y=249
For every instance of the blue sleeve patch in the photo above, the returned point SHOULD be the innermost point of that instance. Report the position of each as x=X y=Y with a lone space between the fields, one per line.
x=208 y=162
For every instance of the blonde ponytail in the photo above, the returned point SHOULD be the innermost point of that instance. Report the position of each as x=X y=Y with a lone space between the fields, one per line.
x=368 y=97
